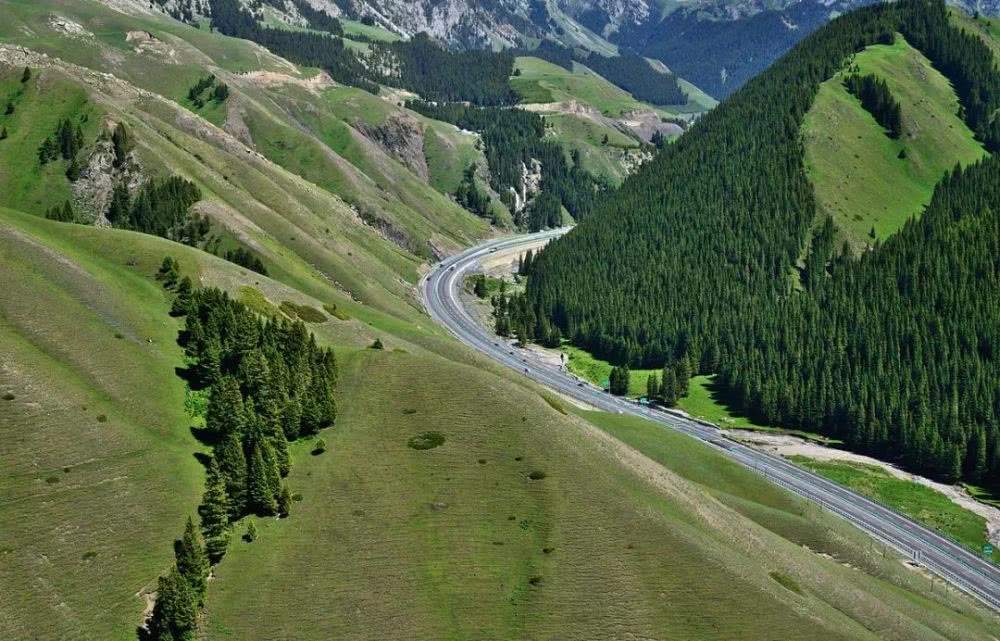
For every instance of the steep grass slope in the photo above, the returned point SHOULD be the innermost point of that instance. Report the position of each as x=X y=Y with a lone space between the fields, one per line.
x=387 y=541
x=862 y=177
x=97 y=457
x=274 y=108
x=460 y=542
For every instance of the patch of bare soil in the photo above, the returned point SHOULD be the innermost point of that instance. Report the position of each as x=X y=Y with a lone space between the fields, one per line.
x=269 y=79
x=147 y=44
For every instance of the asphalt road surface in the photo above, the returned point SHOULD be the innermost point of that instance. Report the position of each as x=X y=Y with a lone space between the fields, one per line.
x=956 y=564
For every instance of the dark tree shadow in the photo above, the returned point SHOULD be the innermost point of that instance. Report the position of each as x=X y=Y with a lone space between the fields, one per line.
x=204 y=435
x=204 y=458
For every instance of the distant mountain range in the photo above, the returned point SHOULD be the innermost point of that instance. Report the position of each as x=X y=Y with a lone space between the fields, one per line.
x=715 y=44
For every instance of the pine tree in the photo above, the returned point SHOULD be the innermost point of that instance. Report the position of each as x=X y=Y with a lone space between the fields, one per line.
x=122 y=144
x=291 y=418
x=74 y=170
x=284 y=501
x=192 y=563
x=279 y=444
x=175 y=612
x=226 y=413
x=47 y=151
x=119 y=209
x=668 y=386
x=480 y=287
x=682 y=374
x=233 y=466
x=214 y=512
x=978 y=467
x=251 y=533
x=209 y=366
x=652 y=387
x=618 y=380
x=220 y=93
x=182 y=301
x=260 y=491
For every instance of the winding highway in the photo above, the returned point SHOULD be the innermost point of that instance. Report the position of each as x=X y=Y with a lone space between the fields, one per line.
x=964 y=569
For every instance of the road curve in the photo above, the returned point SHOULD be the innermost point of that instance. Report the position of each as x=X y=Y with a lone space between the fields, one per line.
x=956 y=564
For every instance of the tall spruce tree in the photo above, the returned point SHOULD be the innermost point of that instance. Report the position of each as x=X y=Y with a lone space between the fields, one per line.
x=226 y=414
x=214 y=512
x=259 y=487
x=192 y=563
x=233 y=467
x=175 y=613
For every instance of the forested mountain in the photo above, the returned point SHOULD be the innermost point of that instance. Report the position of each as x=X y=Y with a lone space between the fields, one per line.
x=226 y=415
x=716 y=44
x=693 y=259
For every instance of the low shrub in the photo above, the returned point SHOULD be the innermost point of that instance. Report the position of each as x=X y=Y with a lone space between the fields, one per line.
x=426 y=441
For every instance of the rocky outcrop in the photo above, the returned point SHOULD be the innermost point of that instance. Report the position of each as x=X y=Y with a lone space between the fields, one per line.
x=402 y=137
x=531 y=184
x=98 y=177
x=144 y=42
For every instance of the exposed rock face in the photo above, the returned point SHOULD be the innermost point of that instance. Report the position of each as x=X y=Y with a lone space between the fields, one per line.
x=68 y=28
x=531 y=183
x=631 y=159
x=92 y=190
x=402 y=137
x=461 y=23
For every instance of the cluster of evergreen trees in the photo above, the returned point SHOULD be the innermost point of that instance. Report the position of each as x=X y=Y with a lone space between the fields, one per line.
x=635 y=75
x=301 y=47
x=618 y=380
x=691 y=259
x=877 y=100
x=898 y=352
x=481 y=77
x=319 y=20
x=246 y=258
x=219 y=93
x=181 y=593
x=66 y=143
x=161 y=208
x=469 y=195
x=670 y=384
x=512 y=139
x=268 y=383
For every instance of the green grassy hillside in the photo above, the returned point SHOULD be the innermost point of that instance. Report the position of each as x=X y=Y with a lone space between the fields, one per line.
x=460 y=542
x=290 y=115
x=27 y=184
x=91 y=402
x=856 y=169
x=388 y=541
x=541 y=81
x=587 y=136
x=986 y=28
x=909 y=497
